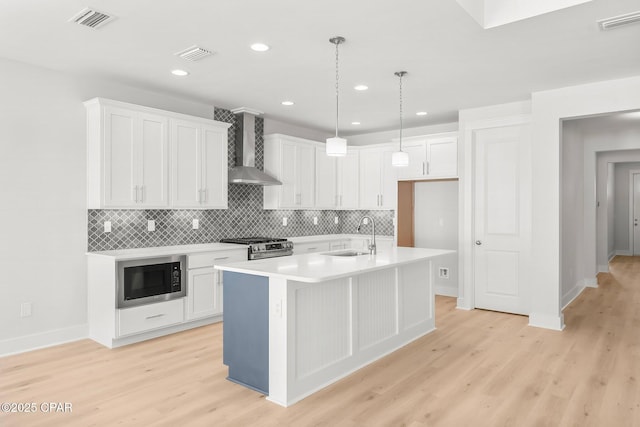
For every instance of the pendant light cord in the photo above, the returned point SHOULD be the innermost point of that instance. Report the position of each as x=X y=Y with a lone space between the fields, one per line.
x=337 y=92
x=400 y=111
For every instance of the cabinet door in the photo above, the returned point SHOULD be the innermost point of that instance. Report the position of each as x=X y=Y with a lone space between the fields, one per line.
x=370 y=175
x=186 y=164
x=203 y=293
x=214 y=168
x=305 y=171
x=120 y=178
x=288 y=177
x=348 y=180
x=442 y=156
x=388 y=182
x=417 y=152
x=326 y=180
x=153 y=164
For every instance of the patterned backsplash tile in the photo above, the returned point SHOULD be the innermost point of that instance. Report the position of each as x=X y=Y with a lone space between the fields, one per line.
x=245 y=216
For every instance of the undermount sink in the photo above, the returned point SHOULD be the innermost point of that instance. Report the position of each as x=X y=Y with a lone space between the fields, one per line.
x=349 y=252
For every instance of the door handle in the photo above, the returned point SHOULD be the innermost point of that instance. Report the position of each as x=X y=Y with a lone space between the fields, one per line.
x=478 y=242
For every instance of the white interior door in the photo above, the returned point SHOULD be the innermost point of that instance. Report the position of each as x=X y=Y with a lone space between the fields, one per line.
x=636 y=214
x=502 y=218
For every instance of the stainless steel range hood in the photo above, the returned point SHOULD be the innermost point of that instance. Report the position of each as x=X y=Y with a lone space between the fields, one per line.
x=245 y=171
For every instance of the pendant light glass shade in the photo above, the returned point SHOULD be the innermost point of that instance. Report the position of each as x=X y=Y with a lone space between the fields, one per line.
x=400 y=158
x=336 y=146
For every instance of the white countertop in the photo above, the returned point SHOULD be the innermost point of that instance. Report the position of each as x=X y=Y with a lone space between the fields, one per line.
x=138 y=253
x=317 y=267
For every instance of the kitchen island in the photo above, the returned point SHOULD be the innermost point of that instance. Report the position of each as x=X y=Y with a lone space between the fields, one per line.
x=293 y=325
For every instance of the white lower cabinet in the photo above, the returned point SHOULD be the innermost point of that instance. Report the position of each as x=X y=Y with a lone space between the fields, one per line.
x=311 y=247
x=204 y=283
x=151 y=316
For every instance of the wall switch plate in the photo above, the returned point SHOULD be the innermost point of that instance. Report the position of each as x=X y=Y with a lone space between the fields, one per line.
x=443 y=273
x=195 y=224
x=25 y=309
x=336 y=220
x=107 y=226
x=151 y=225
x=284 y=221
x=315 y=220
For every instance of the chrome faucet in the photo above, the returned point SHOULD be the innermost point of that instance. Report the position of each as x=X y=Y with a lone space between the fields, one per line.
x=372 y=243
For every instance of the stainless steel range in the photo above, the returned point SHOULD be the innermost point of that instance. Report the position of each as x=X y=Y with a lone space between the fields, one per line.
x=263 y=247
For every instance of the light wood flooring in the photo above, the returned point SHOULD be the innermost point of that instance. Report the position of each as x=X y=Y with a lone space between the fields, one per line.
x=479 y=368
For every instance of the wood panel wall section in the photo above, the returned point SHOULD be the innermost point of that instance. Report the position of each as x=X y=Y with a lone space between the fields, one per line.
x=405 y=214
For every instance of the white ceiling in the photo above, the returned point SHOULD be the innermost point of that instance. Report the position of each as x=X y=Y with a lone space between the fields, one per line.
x=452 y=62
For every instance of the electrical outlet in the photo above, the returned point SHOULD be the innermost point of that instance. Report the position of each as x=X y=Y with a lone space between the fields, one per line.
x=284 y=221
x=195 y=224
x=336 y=220
x=107 y=226
x=365 y=221
x=443 y=273
x=151 y=225
x=25 y=309
x=315 y=220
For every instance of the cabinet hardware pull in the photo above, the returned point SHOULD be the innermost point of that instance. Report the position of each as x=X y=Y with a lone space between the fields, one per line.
x=428 y=168
x=218 y=259
x=141 y=193
x=311 y=249
x=478 y=242
x=341 y=200
x=423 y=168
x=136 y=190
x=381 y=199
x=204 y=193
x=155 y=316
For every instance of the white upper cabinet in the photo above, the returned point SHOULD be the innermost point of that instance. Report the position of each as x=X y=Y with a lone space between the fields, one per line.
x=348 y=185
x=292 y=161
x=378 y=178
x=128 y=153
x=430 y=156
x=145 y=158
x=199 y=167
x=326 y=180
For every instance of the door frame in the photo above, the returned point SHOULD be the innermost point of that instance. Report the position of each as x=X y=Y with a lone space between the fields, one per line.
x=632 y=249
x=466 y=197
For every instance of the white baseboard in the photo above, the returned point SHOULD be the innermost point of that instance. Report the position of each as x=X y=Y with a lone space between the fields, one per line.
x=446 y=291
x=623 y=252
x=603 y=268
x=43 y=339
x=591 y=282
x=547 y=321
x=462 y=304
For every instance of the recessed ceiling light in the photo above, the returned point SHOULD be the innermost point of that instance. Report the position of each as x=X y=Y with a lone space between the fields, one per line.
x=287 y=103
x=260 y=47
x=355 y=123
x=179 y=73
x=421 y=113
x=361 y=87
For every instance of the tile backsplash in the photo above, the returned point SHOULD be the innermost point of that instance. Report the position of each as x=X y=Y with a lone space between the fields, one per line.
x=245 y=216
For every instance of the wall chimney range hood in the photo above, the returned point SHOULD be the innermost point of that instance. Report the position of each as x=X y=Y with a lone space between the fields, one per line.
x=245 y=171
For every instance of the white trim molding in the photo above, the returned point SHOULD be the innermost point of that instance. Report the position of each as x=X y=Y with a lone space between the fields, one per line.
x=547 y=321
x=43 y=339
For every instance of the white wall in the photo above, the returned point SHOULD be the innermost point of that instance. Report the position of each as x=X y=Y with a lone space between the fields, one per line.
x=572 y=212
x=43 y=216
x=622 y=243
x=549 y=107
x=436 y=226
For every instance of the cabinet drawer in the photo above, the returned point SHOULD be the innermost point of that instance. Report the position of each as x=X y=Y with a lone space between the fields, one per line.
x=209 y=259
x=151 y=316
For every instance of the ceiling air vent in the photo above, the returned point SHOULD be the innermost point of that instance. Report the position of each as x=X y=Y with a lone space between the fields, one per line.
x=619 y=21
x=91 y=18
x=194 y=53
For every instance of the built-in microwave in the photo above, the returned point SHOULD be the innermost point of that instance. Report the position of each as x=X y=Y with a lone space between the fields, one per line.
x=145 y=281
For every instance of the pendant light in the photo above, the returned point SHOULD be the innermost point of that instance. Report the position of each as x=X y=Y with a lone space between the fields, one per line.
x=400 y=158
x=337 y=146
